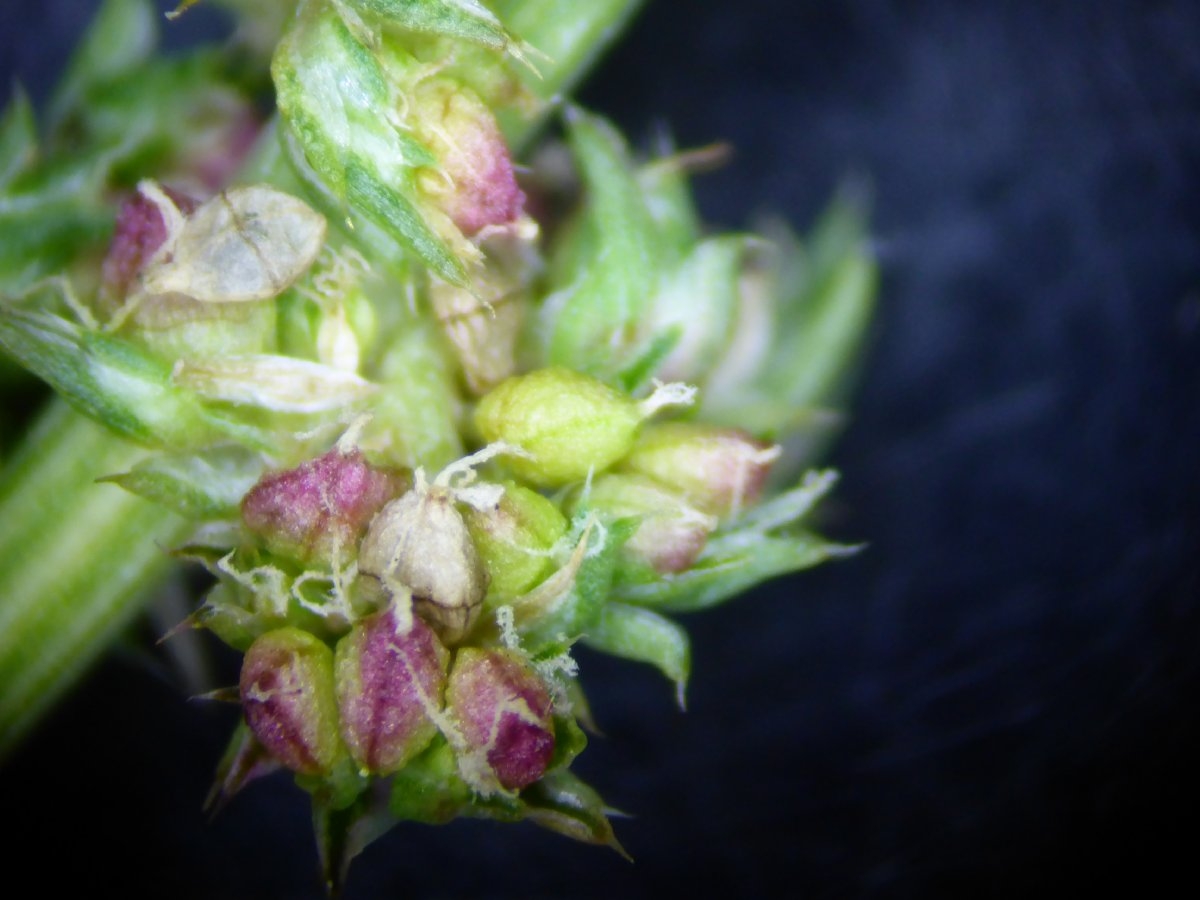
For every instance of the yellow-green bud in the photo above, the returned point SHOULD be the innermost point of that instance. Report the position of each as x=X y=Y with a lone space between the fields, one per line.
x=718 y=470
x=514 y=538
x=569 y=424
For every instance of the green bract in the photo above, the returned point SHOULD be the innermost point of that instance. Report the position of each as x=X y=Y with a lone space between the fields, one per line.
x=423 y=441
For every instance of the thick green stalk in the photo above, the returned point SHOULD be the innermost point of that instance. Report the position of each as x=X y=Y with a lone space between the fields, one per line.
x=77 y=560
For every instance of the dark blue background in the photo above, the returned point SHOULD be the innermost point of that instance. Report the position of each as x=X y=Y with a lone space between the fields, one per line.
x=1000 y=697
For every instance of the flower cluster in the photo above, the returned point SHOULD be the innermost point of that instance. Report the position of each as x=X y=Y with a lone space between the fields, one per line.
x=426 y=440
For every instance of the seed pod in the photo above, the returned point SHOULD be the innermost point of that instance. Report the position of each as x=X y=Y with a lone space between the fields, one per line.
x=719 y=470
x=420 y=543
x=388 y=681
x=502 y=711
x=320 y=509
x=288 y=700
x=569 y=424
x=514 y=538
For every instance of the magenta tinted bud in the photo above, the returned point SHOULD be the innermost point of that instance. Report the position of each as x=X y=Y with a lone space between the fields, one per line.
x=139 y=232
x=476 y=185
x=503 y=711
x=388 y=681
x=319 y=511
x=288 y=700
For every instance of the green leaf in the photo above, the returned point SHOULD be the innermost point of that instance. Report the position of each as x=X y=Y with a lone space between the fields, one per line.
x=198 y=486
x=632 y=632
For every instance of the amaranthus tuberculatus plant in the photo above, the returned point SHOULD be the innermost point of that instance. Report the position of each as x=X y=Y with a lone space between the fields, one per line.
x=432 y=394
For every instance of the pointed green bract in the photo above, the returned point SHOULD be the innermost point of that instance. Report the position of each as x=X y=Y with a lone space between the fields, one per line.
x=199 y=486
x=631 y=632
x=116 y=383
x=596 y=320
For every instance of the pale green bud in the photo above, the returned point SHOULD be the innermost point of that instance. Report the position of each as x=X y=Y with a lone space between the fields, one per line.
x=514 y=539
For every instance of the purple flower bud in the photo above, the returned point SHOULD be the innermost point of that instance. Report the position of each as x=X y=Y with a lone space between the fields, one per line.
x=388 y=681
x=719 y=470
x=288 y=700
x=319 y=510
x=503 y=712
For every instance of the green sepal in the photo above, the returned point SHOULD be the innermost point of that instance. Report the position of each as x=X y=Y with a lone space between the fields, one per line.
x=569 y=742
x=465 y=20
x=332 y=94
x=200 y=486
x=562 y=803
x=578 y=612
x=117 y=383
x=596 y=328
x=347 y=816
x=639 y=634
x=429 y=789
x=18 y=137
x=244 y=760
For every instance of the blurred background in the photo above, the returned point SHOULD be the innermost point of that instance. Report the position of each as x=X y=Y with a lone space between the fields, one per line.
x=1001 y=696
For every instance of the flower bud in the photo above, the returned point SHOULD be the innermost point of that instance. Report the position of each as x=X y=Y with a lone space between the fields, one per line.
x=718 y=470
x=503 y=712
x=288 y=700
x=671 y=534
x=318 y=511
x=420 y=543
x=474 y=183
x=514 y=539
x=388 y=680
x=569 y=424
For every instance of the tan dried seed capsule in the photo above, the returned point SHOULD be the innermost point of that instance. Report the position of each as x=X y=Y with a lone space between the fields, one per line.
x=421 y=542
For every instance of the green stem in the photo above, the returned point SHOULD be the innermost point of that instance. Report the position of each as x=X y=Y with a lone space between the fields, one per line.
x=77 y=560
